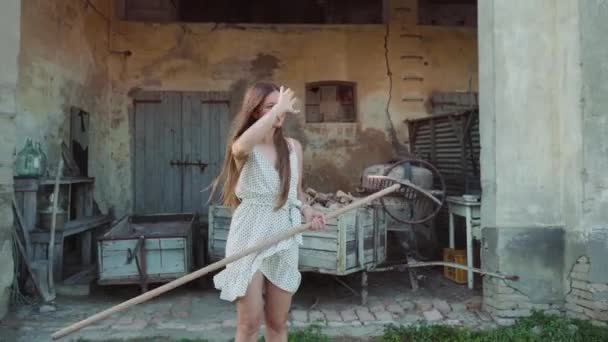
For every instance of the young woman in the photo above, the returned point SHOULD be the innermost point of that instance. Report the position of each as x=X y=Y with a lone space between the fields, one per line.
x=262 y=179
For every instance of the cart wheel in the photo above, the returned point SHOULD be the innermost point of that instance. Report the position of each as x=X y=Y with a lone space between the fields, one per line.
x=422 y=208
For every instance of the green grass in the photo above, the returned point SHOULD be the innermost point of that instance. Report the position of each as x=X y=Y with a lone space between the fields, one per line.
x=312 y=333
x=538 y=327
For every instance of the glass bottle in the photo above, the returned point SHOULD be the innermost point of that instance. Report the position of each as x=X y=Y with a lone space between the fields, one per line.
x=43 y=159
x=24 y=163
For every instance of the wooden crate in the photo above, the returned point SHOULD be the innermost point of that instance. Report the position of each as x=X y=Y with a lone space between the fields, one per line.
x=352 y=242
x=457 y=256
x=166 y=254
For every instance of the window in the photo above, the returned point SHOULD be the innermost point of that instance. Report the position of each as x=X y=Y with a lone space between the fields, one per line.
x=447 y=12
x=330 y=101
x=255 y=12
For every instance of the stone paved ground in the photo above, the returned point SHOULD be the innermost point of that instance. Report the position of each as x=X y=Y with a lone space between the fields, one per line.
x=192 y=312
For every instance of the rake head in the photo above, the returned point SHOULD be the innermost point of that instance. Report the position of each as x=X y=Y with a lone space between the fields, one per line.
x=408 y=189
x=421 y=204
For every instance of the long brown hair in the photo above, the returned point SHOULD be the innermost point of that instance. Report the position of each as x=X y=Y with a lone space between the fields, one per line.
x=252 y=102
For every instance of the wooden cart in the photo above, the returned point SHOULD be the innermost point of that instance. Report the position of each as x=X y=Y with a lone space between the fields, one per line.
x=146 y=249
x=352 y=242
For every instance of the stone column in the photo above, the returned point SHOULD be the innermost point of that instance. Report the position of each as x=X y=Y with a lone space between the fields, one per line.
x=529 y=97
x=10 y=16
x=585 y=266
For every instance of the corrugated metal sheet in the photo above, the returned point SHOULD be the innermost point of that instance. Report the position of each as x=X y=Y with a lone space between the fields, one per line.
x=450 y=142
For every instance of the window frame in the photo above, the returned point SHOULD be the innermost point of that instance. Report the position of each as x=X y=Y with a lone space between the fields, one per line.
x=337 y=84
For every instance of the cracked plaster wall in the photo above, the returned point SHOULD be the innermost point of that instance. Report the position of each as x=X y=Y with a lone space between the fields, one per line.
x=586 y=273
x=200 y=57
x=544 y=147
x=63 y=62
x=9 y=36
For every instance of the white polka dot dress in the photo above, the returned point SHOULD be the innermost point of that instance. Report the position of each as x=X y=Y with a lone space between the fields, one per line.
x=255 y=221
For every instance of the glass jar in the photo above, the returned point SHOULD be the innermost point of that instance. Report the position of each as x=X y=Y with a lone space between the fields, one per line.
x=43 y=159
x=28 y=161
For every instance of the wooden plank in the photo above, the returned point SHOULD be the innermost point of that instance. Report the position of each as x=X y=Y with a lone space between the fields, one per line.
x=218 y=247
x=68 y=180
x=172 y=116
x=360 y=243
x=220 y=234
x=342 y=243
x=149 y=161
x=86 y=241
x=30 y=207
x=190 y=115
x=25 y=184
x=209 y=144
x=85 y=276
x=330 y=232
x=224 y=128
x=22 y=228
x=309 y=242
x=319 y=244
x=433 y=142
x=150 y=278
x=166 y=261
x=200 y=139
x=140 y=143
x=78 y=202
x=72 y=228
x=157 y=161
x=163 y=256
x=317 y=259
x=221 y=211
x=165 y=201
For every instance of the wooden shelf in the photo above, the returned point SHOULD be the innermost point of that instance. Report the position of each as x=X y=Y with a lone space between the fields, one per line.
x=67 y=180
x=71 y=228
x=32 y=184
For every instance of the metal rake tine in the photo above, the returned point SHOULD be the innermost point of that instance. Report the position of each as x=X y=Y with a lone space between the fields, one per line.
x=407 y=184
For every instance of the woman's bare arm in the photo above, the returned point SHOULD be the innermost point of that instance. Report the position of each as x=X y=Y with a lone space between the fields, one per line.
x=317 y=219
x=256 y=133
x=298 y=147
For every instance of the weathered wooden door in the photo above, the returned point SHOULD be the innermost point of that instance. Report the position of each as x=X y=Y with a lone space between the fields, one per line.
x=179 y=148
x=204 y=128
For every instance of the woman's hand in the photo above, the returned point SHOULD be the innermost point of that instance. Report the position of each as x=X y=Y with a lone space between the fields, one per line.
x=315 y=218
x=286 y=102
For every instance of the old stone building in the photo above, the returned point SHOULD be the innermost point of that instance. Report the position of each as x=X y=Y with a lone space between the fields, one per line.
x=538 y=66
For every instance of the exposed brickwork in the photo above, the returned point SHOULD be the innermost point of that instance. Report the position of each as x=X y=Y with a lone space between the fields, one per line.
x=506 y=304
x=586 y=300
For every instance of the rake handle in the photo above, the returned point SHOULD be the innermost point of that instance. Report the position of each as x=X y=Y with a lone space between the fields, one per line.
x=216 y=265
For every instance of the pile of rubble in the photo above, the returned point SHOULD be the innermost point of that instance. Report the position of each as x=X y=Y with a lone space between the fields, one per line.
x=319 y=200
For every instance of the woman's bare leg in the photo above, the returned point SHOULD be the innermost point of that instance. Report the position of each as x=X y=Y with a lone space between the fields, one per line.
x=276 y=313
x=250 y=310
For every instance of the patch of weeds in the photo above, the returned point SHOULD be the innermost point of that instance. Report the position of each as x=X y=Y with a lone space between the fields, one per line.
x=148 y=339
x=424 y=332
x=537 y=327
x=312 y=333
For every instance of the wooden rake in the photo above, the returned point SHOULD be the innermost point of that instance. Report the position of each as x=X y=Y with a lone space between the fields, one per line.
x=386 y=186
